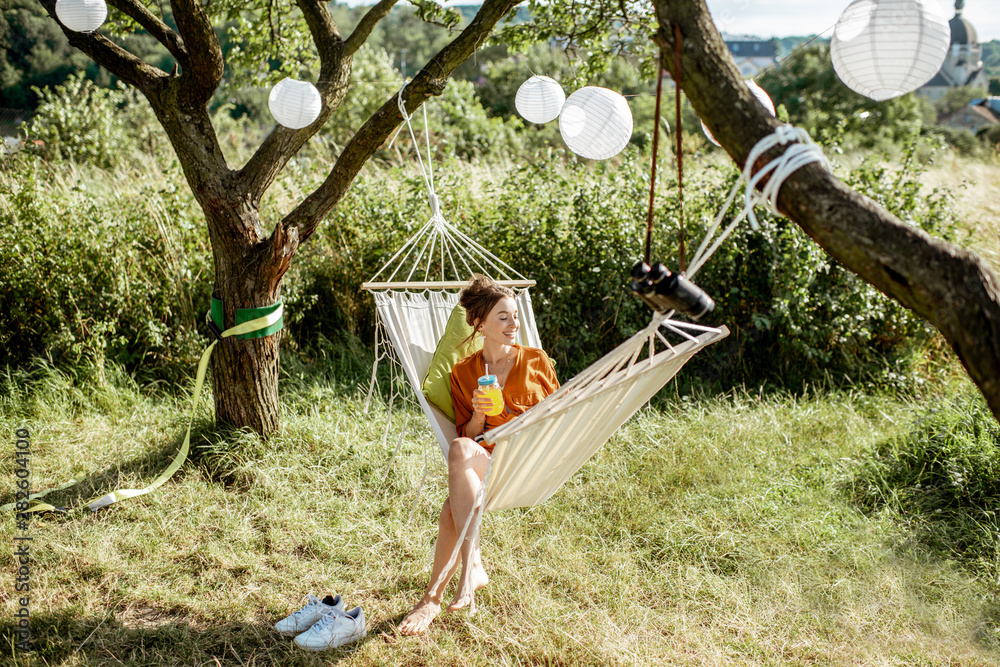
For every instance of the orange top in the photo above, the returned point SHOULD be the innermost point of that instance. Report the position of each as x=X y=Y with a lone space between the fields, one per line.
x=531 y=379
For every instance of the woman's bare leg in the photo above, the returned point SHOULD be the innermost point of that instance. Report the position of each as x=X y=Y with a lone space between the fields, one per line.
x=468 y=479
x=467 y=463
x=425 y=611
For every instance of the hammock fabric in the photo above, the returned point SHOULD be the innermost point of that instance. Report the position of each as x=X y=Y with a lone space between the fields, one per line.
x=539 y=450
x=535 y=453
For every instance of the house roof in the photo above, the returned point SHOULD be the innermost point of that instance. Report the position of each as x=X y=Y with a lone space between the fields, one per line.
x=992 y=103
x=982 y=112
x=939 y=80
x=752 y=48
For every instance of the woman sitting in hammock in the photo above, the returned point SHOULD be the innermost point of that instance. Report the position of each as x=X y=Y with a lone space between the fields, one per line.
x=526 y=376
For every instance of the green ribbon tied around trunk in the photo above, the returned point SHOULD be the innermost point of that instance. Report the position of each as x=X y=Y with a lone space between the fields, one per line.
x=250 y=323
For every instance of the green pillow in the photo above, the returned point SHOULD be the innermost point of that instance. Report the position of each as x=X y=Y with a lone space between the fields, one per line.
x=437 y=383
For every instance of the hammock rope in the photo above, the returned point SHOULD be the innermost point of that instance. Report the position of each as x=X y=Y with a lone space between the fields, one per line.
x=652 y=168
x=801 y=150
x=680 y=144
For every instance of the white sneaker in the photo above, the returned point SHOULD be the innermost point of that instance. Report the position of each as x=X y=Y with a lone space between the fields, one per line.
x=334 y=629
x=306 y=617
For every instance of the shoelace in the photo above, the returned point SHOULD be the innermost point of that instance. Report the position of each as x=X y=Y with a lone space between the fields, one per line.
x=326 y=618
x=312 y=601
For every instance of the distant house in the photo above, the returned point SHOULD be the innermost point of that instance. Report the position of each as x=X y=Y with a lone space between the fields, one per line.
x=752 y=55
x=992 y=103
x=978 y=116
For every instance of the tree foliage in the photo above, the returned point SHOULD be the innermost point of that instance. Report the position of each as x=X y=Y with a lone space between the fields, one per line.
x=956 y=98
x=593 y=33
x=34 y=53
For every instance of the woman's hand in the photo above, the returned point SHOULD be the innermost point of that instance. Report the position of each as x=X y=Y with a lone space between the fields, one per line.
x=481 y=404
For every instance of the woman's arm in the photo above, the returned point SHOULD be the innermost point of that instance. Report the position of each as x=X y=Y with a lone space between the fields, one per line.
x=475 y=426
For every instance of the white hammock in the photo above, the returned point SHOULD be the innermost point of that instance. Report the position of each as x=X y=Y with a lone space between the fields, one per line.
x=540 y=449
x=535 y=453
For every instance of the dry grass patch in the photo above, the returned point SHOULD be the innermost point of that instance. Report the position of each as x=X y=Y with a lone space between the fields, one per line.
x=708 y=532
x=976 y=187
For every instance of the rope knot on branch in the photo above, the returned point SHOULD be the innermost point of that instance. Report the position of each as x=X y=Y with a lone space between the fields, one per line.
x=803 y=151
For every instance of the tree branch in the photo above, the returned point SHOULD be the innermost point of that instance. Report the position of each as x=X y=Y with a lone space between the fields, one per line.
x=334 y=77
x=204 y=69
x=154 y=26
x=367 y=24
x=951 y=288
x=431 y=80
x=123 y=64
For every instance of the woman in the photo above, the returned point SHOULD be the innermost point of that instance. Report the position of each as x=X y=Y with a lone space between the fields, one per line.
x=526 y=376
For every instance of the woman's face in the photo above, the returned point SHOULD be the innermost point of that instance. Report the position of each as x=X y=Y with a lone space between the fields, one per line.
x=501 y=325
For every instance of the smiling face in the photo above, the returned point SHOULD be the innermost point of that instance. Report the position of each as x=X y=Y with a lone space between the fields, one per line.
x=501 y=325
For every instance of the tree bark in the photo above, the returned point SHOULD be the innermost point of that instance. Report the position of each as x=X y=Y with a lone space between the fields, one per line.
x=951 y=288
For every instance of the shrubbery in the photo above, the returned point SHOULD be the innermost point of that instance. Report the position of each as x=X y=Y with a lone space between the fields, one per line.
x=131 y=275
x=943 y=477
x=88 y=124
x=120 y=276
x=126 y=276
x=797 y=316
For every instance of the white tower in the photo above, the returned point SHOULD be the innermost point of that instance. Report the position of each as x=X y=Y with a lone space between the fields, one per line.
x=964 y=64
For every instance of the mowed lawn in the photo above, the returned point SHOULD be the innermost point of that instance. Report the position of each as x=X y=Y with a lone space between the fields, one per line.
x=709 y=531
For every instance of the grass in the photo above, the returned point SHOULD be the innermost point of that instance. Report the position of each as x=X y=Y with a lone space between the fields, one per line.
x=976 y=185
x=711 y=531
x=715 y=531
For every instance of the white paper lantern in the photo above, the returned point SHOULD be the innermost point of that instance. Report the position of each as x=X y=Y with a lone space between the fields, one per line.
x=539 y=99
x=885 y=48
x=295 y=104
x=82 y=15
x=761 y=96
x=596 y=123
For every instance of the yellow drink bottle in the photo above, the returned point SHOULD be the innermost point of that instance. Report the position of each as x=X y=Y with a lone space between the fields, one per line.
x=488 y=383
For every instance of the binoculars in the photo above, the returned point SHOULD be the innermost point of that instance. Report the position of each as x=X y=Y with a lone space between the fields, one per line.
x=664 y=291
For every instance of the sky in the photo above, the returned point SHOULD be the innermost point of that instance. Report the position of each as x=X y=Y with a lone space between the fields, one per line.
x=796 y=18
x=785 y=18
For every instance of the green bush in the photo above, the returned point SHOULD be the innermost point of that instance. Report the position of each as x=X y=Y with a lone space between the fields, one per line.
x=119 y=277
x=467 y=131
x=85 y=123
x=796 y=315
x=943 y=477
x=127 y=285
x=960 y=138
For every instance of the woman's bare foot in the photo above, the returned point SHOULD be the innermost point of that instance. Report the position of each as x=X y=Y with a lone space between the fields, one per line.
x=416 y=622
x=465 y=598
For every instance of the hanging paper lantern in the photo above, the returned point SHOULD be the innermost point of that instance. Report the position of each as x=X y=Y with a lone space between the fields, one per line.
x=539 y=99
x=885 y=48
x=81 y=15
x=596 y=123
x=761 y=96
x=295 y=104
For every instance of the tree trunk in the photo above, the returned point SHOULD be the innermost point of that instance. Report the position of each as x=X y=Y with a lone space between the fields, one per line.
x=245 y=382
x=244 y=372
